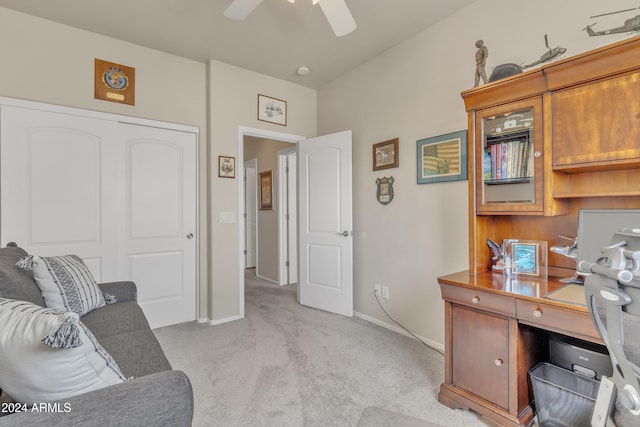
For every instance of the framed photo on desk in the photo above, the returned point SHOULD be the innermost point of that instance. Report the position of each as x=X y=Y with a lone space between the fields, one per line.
x=525 y=257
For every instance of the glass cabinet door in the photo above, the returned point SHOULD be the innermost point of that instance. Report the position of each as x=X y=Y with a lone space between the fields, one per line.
x=508 y=144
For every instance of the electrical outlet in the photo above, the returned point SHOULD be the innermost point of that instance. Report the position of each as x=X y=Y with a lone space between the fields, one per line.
x=377 y=289
x=385 y=292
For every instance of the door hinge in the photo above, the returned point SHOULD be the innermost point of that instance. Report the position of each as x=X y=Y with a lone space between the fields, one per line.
x=286 y=264
x=245 y=251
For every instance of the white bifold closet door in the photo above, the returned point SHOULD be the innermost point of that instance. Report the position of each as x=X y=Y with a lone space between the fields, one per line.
x=121 y=196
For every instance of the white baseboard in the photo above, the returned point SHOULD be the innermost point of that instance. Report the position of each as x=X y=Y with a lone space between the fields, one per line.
x=432 y=344
x=220 y=321
x=266 y=279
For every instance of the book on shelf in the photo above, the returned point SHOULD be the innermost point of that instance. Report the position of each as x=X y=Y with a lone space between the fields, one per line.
x=508 y=159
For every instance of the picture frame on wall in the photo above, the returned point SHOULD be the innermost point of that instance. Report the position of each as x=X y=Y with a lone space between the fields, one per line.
x=386 y=155
x=442 y=158
x=266 y=190
x=114 y=82
x=226 y=167
x=272 y=110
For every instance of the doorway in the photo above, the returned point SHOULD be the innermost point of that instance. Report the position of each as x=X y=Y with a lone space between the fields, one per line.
x=243 y=134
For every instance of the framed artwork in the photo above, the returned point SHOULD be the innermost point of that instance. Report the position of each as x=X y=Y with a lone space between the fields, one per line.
x=525 y=258
x=114 y=82
x=226 y=167
x=385 y=155
x=272 y=110
x=266 y=190
x=442 y=158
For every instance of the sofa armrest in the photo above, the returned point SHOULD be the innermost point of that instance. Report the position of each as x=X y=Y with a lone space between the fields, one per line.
x=161 y=399
x=123 y=291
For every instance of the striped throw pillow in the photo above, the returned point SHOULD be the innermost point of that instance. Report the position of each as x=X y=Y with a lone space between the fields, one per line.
x=65 y=282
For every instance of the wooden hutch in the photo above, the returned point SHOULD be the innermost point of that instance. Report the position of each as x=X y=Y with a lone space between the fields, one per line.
x=580 y=118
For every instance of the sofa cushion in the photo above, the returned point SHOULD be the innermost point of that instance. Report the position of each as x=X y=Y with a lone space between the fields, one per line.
x=49 y=355
x=66 y=283
x=124 y=332
x=17 y=283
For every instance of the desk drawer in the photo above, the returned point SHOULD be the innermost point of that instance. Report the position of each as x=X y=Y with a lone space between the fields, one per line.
x=478 y=299
x=556 y=319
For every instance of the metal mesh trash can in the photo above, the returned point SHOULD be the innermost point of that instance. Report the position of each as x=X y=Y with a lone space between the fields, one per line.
x=562 y=397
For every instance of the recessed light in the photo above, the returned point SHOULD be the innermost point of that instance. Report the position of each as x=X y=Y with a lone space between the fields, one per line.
x=303 y=71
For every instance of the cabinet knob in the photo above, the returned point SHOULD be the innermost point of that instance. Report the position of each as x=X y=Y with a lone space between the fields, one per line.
x=498 y=362
x=537 y=312
x=537 y=154
x=475 y=299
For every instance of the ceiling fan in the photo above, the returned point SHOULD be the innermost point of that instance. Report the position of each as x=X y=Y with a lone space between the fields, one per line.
x=336 y=12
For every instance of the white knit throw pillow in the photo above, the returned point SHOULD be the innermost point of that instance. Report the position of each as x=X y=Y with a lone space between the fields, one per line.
x=47 y=355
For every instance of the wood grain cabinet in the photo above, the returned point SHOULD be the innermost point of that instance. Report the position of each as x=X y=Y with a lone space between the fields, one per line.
x=488 y=343
x=544 y=144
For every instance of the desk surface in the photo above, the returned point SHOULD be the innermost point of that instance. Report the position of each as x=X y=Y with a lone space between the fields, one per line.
x=550 y=291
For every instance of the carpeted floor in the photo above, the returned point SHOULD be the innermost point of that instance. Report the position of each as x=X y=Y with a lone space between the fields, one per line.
x=290 y=365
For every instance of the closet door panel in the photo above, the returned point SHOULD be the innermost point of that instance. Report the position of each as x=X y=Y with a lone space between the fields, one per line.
x=159 y=244
x=57 y=180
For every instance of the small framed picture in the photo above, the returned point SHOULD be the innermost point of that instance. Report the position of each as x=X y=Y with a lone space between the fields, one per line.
x=272 y=110
x=266 y=190
x=385 y=155
x=226 y=167
x=525 y=257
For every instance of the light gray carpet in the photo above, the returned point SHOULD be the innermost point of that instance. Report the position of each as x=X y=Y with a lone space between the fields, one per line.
x=378 y=417
x=290 y=365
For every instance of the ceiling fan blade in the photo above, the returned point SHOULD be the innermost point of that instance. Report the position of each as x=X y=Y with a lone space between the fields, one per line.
x=240 y=9
x=339 y=16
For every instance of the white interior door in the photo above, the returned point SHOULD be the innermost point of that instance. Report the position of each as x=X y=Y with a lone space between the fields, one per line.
x=58 y=175
x=250 y=212
x=287 y=217
x=292 y=229
x=325 y=223
x=159 y=246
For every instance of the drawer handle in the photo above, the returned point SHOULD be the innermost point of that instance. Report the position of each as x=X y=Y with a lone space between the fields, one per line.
x=537 y=312
x=498 y=362
x=475 y=300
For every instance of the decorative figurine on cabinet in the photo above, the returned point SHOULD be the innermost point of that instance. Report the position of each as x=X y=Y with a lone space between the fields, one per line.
x=631 y=25
x=548 y=55
x=481 y=60
x=496 y=263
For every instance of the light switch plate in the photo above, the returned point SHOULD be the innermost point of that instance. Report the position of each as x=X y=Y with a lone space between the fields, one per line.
x=227 y=217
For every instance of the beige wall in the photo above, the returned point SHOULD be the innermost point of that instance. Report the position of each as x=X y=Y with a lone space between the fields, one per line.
x=233 y=103
x=47 y=62
x=412 y=92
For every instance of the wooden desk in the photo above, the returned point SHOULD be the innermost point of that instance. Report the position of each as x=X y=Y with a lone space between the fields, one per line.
x=496 y=330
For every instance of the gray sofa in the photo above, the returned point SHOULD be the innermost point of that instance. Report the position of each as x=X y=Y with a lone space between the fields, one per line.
x=157 y=396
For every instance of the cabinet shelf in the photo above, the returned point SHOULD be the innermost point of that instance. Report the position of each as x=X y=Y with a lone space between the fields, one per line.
x=524 y=179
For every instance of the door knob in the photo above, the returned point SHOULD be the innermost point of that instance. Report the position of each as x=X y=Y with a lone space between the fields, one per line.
x=190 y=236
x=345 y=233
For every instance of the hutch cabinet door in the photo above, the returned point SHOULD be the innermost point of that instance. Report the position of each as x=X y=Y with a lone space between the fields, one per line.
x=509 y=158
x=597 y=124
x=480 y=354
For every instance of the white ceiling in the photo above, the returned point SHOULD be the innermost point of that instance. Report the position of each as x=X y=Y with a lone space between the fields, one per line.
x=275 y=39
